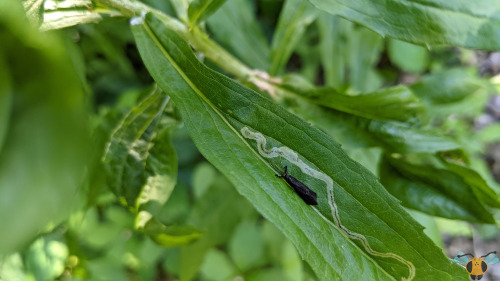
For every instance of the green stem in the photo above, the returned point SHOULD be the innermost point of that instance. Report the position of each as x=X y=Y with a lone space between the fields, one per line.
x=198 y=39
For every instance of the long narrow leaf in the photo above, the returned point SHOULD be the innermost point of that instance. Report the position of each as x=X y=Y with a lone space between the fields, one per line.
x=432 y=22
x=235 y=27
x=393 y=104
x=295 y=16
x=249 y=139
x=446 y=195
x=199 y=10
x=354 y=131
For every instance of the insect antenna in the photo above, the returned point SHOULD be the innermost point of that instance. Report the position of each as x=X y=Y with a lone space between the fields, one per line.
x=459 y=256
x=494 y=252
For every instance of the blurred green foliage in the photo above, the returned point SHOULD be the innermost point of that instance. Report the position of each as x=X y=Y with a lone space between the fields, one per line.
x=100 y=179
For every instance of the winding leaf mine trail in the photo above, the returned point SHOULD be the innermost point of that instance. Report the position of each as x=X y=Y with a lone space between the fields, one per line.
x=293 y=157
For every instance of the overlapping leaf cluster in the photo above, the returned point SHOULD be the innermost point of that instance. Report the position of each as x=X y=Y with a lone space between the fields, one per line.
x=321 y=80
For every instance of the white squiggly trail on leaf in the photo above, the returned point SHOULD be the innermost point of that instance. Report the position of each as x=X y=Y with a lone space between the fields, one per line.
x=293 y=157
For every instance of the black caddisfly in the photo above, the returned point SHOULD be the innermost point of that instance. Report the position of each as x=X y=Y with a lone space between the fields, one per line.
x=301 y=189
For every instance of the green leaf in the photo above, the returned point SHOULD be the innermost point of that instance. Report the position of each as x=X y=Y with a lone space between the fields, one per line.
x=221 y=115
x=181 y=9
x=234 y=26
x=307 y=60
x=274 y=241
x=61 y=14
x=482 y=190
x=199 y=10
x=333 y=33
x=34 y=11
x=44 y=152
x=291 y=262
x=265 y=274
x=368 y=157
x=46 y=259
x=399 y=137
x=349 y=54
x=347 y=129
x=12 y=268
x=6 y=97
x=216 y=213
x=247 y=246
x=446 y=87
x=364 y=51
x=488 y=134
x=355 y=132
x=445 y=195
x=436 y=23
x=203 y=176
x=295 y=16
x=396 y=103
x=140 y=160
x=217 y=266
x=408 y=57
x=431 y=227
x=170 y=236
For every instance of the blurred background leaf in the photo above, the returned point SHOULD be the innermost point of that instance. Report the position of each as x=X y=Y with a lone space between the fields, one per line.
x=199 y=10
x=434 y=23
x=234 y=25
x=45 y=134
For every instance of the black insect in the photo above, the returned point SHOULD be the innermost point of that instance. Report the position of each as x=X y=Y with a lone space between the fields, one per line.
x=301 y=189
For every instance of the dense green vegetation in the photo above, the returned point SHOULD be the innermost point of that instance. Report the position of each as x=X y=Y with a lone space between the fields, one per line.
x=140 y=140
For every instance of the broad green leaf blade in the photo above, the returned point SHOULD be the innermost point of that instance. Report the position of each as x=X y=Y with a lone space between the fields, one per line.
x=140 y=160
x=224 y=119
x=431 y=22
x=44 y=153
x=435 y=191
x=61 y=14
x=235 y=27
x=396 y=103
x=295 y=16
x=199 y=10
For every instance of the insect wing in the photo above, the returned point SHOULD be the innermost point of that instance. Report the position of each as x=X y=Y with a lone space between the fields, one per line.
x=302 y=190
x=491 y=259
x=461 y=260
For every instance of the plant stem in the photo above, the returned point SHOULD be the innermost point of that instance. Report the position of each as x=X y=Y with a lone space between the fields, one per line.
x=198 y=39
